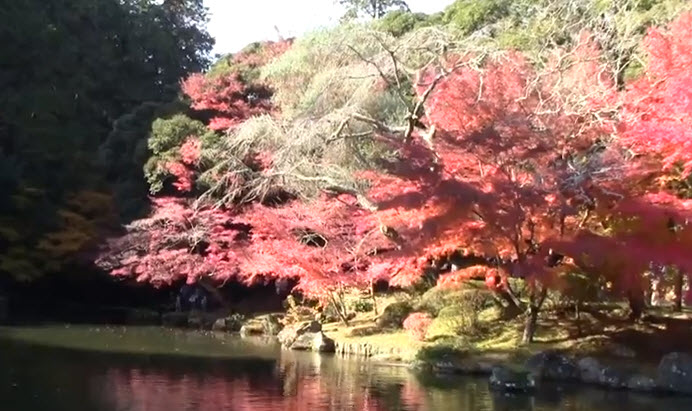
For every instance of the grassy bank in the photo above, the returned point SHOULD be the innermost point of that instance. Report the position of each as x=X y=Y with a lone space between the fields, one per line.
x=463 y=330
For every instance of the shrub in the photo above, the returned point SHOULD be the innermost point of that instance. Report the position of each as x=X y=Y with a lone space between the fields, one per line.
x=460 y=316
x=362 y=306
x=417 y=325
x=394 y=314
x=438 y=298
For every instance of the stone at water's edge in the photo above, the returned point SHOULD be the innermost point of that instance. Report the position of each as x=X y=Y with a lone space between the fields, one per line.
x=175 y=319
x=590 y=370
x=290 y=333
x=675 y=373
x=268 y=324
x=306 y=336
x=232 y=323
x=505 y=379
x=643 y=383
x=143 y=317
x=316 y=341
x=551 y=365
x=4 y=310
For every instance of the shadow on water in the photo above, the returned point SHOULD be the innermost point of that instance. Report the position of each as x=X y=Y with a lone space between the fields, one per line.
x=155 y=369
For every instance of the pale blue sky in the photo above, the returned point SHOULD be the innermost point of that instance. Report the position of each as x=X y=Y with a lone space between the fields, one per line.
x=236 y=23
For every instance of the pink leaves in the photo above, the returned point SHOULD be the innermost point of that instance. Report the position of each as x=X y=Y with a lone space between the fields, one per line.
x=417 y=325
x=190 y=151
x=658 y=106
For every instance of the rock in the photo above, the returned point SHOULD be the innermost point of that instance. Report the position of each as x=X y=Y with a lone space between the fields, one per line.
x=201 y=320
x=394 y=314
x=313 y=341
x=622 y=351
x=289 y=334
x=615 y=378
x=505 y=379
x=551 y=365
x=267 y=324
x=143 y=317
x=675 y=373
x=4 y=309
x=175 y=319
x=640 y=382
x=232 y=323
x=589 y=370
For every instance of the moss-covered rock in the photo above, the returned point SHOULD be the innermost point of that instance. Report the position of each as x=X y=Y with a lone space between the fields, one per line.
x=394 y=314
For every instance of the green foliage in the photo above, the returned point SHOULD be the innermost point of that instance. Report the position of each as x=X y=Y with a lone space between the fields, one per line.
x=400 y=22
x=321 y=59
x=438 y=298
x=70 y=70
x=371 y=8
x=470 y=15
x=167 y=135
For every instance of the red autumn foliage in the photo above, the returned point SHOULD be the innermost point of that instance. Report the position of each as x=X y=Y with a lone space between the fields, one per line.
x=417 y=325
x=177 y=242
x=499 y=178
x=229 y=99
x=190 y=151
x=658 y=106
x=523 y=163
x=183 y=175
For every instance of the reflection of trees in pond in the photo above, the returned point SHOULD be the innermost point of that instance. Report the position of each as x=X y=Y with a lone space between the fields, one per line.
x=337 y=383
x=311 y=382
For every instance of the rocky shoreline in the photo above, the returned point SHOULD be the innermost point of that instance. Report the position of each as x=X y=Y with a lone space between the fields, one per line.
x=673 y=374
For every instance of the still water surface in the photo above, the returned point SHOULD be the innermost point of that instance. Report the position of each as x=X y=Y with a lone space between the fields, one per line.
x=154 y=369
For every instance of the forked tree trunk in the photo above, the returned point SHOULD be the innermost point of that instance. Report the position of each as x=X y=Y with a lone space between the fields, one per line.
x=339 y=309
x=536 y=300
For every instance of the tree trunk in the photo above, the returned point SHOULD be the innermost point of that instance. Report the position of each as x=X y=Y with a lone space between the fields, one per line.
x=374 y=299
x=636 y=302
x=530 y=325
x=679 y=281
x=339 y=310
x=536 y=300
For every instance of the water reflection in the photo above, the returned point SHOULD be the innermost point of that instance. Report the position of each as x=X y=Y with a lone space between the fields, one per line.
x=253 y=376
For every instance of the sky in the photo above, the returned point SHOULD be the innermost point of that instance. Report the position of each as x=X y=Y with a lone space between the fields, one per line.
x=236 y=23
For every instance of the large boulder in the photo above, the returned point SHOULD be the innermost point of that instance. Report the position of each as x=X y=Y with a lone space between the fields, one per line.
x=551 y=365
x=394 y=314
x=675 y=373
x=590 y=370
x=268 y=324
x=316 y=341
x=306 y=336
x=290 y=333
x=506 y=379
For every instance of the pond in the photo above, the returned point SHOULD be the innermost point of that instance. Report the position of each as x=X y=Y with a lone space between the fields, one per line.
x=86 y=368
